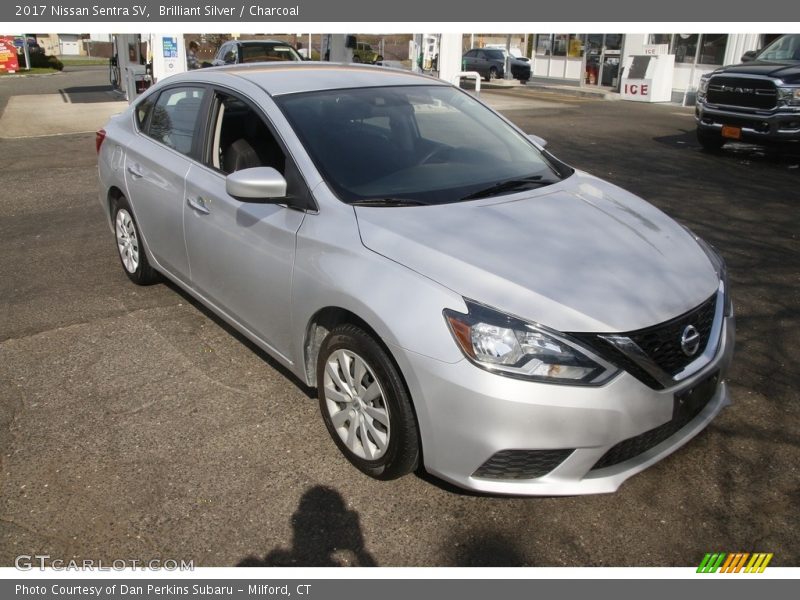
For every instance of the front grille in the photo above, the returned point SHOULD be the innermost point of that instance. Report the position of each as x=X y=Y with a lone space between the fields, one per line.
x=742 y=91
x=662 y=343
x=521 y=464
x=683 y=415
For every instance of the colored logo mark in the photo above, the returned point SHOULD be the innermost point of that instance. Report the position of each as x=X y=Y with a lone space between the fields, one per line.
x=735 y=562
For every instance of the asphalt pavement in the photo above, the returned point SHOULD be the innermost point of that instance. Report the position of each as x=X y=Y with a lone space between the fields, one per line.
x=134 y=425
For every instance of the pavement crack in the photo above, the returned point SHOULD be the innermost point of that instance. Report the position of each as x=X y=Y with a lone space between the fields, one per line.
x=113 y=315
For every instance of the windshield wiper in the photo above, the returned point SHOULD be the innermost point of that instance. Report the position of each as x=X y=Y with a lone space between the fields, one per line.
x=509 y=186
x=389 y=202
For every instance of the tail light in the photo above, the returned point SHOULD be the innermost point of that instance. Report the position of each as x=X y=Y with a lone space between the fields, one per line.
x=98 y=139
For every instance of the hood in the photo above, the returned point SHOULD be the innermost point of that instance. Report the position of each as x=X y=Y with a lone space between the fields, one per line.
x=789 y=71
x=581 y=255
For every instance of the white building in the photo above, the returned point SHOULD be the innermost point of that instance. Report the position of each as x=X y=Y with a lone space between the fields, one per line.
x=595 y=59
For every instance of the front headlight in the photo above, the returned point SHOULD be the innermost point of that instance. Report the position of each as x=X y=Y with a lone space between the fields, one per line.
x=512 y=347
x=789 y=96
x=703 y=87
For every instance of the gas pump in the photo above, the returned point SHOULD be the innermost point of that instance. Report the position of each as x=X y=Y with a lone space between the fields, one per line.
x=128 y=71
x=430 y=52
x=168 y=55
x=338 y=47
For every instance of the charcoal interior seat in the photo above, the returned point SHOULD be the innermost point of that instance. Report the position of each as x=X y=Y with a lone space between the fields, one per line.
x=240 y=155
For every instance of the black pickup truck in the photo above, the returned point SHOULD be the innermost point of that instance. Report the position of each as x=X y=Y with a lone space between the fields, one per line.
x=757 y=101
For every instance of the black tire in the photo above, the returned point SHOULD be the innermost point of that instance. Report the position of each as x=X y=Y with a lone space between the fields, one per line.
x=140 y=272
x=492 y=74
x=402 y=450
x=710 y=142
x=356 y=59
x=379 y=59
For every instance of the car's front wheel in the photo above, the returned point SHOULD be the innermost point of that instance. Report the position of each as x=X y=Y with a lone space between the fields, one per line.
x=365 y=404
x=129 y=245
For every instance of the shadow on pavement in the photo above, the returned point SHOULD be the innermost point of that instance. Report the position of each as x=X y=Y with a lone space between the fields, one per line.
x=488 y=549
x=88 y=94
x=787 y=156
x=326 y=534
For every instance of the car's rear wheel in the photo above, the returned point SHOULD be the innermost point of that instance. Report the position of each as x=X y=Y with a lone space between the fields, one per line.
x=365 y=405
x=356 y=59
x=129 y=245
x=709 y=141
x=492 y=73
x=379 y=59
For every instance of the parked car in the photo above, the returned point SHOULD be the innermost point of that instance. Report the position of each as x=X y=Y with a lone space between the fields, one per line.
x=363 y=53
x=756 y=101
x=461 y=299
x=491 y=64
x=247 y=51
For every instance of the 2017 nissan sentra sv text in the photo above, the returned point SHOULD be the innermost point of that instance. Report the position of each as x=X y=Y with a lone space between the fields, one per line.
x=462 y=300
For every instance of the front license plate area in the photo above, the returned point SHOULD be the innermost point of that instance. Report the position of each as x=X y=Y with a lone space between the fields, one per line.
x=732 y=133
x=688 y=404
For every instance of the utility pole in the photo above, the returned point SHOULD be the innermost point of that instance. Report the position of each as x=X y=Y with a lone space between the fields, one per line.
x=26 y=52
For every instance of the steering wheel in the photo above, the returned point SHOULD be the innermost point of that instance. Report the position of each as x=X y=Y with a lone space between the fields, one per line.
x=434 y=152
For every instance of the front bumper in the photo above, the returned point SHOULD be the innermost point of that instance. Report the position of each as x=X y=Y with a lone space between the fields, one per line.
x=760 y=127
x=467 y=415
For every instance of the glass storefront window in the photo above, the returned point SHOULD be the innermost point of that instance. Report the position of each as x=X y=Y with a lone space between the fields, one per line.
x=685 y=47
x=543 y=44
x=660 y=38
x=575 y=48
x=560 y=43
x=712 y=48
x=614 y=41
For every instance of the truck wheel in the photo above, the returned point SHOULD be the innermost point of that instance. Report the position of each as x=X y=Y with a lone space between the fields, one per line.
x=710 y=142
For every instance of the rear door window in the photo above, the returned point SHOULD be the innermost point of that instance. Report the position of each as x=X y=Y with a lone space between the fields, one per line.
x=174 y=118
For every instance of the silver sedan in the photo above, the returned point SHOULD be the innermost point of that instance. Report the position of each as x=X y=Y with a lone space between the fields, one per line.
x=461 y=299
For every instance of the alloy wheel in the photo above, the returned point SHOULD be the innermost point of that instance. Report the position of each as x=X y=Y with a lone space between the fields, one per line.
x=127 y=241
x=356 y=405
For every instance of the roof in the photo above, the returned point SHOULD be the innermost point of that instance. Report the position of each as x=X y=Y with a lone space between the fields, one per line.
x=262 y=42
x=293 y=77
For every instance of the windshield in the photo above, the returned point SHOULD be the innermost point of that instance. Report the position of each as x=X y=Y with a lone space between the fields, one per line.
x=784 y=48
x=422 y=144
x=260 y=52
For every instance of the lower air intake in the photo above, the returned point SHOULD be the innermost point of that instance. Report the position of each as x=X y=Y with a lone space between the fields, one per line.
x=521 y=464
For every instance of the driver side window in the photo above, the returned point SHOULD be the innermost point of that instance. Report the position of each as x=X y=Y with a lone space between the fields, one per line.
x=241 y=139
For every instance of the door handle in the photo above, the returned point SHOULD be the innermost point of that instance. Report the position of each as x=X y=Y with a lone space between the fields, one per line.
x=198 y=204
x=135 y=170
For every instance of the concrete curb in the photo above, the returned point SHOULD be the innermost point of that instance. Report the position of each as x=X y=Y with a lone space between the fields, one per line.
x=580 y=92
x=17 y=75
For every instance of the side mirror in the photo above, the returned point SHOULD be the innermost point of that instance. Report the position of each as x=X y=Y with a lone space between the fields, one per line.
x=259 y=184
x=539 y=141
x=749 y=55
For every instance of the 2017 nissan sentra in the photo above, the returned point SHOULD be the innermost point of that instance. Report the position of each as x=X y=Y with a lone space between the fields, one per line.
x=461 y=299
